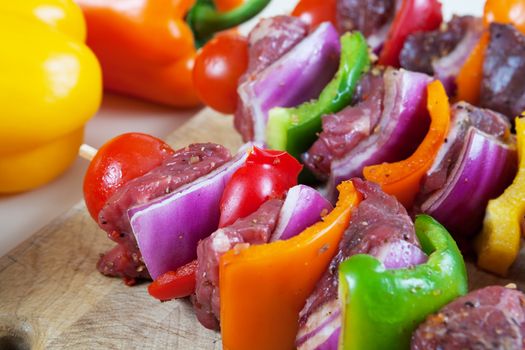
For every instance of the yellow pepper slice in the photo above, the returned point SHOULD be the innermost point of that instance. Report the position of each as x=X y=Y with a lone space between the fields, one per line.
x=264 y=287
x=499 y=243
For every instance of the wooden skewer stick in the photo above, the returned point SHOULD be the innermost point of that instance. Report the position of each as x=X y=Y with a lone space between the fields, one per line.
x=87 y=152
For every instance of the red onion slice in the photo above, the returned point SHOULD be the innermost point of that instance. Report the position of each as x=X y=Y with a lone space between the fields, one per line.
x=483 y=170
x=403 y=124
x=302 y=208
x=296 y=77
x=169 y=228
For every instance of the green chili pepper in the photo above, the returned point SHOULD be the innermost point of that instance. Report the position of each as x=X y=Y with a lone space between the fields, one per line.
x=295 y=129
x=381 y=308
x=204 y=19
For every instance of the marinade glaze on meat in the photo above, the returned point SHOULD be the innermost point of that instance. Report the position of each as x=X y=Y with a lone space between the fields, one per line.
x=253 y=229
x=184 y=166
x=422 y=49
x=268 y=41
x=489 y=318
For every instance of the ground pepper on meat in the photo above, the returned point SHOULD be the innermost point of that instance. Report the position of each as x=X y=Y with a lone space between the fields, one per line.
x=253 y=229
x=183 y=167
x=488 y=318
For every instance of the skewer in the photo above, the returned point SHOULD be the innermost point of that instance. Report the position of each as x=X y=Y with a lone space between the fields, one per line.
x=87 y=152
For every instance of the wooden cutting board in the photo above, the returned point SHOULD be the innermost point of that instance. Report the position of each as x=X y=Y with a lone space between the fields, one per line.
x=52 y=296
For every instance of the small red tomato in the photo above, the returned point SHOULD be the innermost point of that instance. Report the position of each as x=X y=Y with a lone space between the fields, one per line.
x=315 y=12
x=175 y=284
x=217 y=70
x=266 y=175
x=120 y=160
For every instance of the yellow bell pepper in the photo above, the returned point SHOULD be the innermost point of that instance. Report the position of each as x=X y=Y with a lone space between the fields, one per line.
x=51 y=85
x=499 y=243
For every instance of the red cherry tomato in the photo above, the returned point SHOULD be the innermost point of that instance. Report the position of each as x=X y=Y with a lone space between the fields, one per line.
x=217 y=70
x=266 y=175
x=315 y=12
x=414 y=16
x=120 y=160
x=175 y=284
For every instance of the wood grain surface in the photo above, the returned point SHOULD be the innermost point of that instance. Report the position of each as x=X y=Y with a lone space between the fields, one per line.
x=52 y=296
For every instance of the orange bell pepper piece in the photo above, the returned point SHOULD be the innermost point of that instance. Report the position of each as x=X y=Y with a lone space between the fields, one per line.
x=499 y=242
x=402 y=179
x=263 y=288
x=147 y=47
x=469 y=78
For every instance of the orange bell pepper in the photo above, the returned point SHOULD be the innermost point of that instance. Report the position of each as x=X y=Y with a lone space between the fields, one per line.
x=147 y=47
x=499 y=243
x=469 y=78
x=263 y=288
x=402 y=179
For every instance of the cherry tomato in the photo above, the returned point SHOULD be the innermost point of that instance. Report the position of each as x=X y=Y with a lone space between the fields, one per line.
x=175 y=284
x=121 y=159
x=217 y=70
x=414 y=16
x=315 y=12
x=266 y=175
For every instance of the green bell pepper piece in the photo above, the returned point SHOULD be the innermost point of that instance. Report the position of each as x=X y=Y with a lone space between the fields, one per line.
x=295 y=129
x=381 y=308
x=204 y=19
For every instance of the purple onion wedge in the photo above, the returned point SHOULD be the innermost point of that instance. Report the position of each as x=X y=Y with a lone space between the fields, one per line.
x=166 y=228
x=484 y=168
x=400 y=254
x=302 y=208
x=296 y=77
x=402 y=126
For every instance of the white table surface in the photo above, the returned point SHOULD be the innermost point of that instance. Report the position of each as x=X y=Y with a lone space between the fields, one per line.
x=23 y=214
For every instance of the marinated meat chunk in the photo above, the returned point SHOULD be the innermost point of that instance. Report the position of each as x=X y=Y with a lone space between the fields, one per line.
x=294 y=78
x=184 y=166
x=422 y=49
x=253 y=229
x=366 y=16
x=344 y=130
x=503 y=84
x=401 y=128
x=379 y=223
x=268 y=41
x=489 y=318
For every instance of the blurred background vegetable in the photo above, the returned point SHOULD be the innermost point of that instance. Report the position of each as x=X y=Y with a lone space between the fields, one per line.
x=51 y=85
x=147 y=48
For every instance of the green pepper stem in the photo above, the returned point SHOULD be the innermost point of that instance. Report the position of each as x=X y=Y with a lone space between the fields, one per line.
x=205 y=20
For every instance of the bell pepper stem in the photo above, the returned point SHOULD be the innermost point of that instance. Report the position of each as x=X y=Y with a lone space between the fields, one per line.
x=205 y=20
